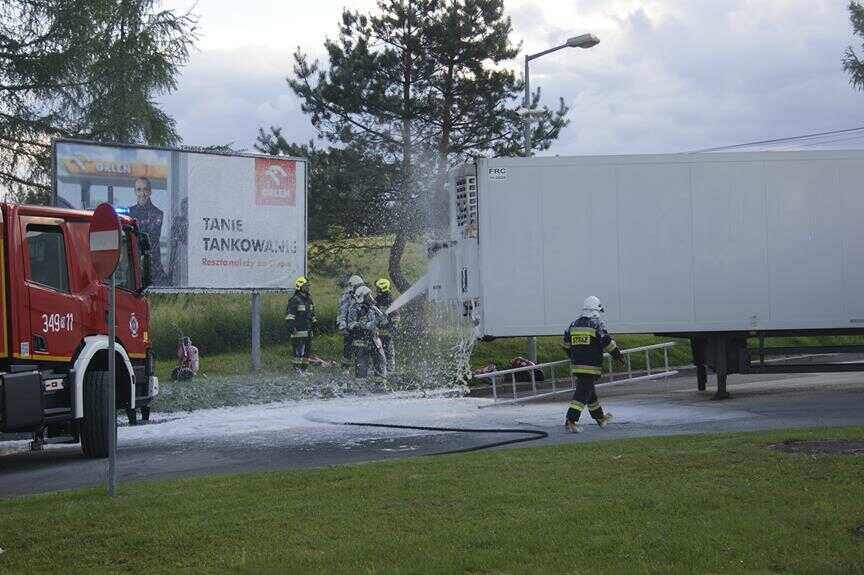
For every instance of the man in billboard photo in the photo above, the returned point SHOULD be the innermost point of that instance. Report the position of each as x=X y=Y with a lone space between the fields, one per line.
x=149 y=219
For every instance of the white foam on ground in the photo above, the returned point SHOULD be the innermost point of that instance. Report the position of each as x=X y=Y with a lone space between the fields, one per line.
x=304 y=422
x=309 y=422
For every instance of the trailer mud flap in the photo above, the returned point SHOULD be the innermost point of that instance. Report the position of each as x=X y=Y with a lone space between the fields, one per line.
x=23 y=400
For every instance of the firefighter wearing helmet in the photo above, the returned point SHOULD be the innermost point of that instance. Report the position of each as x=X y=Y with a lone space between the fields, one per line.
x=300 y=317
x=586 y=340
x=345 y=302
x=364 y=323
x=383 y=299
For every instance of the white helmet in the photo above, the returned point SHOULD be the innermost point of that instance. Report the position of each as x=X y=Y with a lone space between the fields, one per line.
x=592 y=306
x=355 y=281
x=361 y=292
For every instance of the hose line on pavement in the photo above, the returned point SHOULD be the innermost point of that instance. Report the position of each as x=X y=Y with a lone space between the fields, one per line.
x=534 y=434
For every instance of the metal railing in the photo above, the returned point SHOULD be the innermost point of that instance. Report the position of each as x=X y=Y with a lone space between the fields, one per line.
x=623 y=377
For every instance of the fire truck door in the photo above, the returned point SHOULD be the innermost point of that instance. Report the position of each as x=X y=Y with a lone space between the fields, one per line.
x=55 y=310
x=130 y=319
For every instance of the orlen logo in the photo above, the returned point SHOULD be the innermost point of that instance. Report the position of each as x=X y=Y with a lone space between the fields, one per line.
x=275 y=182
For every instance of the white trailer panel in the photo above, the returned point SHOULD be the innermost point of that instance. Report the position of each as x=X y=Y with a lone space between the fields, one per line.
x=685 y=243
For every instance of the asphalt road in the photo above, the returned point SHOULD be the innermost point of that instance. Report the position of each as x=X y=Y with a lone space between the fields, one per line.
x=304 y=434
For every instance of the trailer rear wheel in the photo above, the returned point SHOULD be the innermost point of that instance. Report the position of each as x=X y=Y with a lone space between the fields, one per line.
x=95 y=427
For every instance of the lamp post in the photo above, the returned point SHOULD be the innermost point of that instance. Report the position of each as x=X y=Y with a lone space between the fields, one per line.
x=581 y=41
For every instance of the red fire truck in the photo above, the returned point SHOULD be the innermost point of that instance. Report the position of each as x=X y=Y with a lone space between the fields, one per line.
x=53 y=329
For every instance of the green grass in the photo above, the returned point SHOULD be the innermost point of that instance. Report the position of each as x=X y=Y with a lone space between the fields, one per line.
x=275 y=358
x=220 y=323
x=502 y=351
x=688 y=504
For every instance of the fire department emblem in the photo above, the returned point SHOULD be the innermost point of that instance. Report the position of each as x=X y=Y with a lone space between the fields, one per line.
x=133 y=325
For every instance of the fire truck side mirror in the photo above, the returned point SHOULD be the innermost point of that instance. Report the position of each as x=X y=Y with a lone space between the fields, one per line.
x=146 y=273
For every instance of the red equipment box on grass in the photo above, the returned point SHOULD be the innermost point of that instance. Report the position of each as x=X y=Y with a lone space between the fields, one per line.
x=53 y=328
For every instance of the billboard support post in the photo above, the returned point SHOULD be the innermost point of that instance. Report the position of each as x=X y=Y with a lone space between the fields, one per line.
x=532 y=348
x=256 y=331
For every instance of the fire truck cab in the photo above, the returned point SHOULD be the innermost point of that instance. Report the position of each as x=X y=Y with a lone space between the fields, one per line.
x=53 y=328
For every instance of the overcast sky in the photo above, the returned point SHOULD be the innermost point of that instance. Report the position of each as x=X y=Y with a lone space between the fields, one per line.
x=668 y=75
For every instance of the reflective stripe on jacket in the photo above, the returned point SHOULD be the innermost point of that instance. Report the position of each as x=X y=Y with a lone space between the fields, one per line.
x=300 y=315
x=585 y=340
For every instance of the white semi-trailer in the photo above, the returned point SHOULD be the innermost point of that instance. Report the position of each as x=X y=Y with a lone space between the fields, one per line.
x=717 y=248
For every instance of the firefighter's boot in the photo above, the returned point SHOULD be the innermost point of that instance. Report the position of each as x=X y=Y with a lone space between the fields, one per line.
x=572 y=426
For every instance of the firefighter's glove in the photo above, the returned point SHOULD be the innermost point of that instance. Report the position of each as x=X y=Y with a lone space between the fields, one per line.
x=617 y=355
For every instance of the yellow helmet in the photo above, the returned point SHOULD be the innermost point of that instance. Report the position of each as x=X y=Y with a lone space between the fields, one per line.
x=301 y=281
x=383 y=285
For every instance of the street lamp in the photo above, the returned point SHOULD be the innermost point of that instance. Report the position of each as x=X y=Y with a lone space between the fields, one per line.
x=581 y=41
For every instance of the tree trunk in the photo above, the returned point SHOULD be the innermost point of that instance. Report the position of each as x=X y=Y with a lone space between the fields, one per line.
x=395 y=264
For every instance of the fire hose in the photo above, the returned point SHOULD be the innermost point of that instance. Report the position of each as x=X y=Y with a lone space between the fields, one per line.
x=534 y=434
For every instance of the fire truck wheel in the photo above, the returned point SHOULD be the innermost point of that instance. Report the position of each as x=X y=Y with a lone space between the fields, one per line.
x=145 y=413
x=94 y=428
x=132 y=416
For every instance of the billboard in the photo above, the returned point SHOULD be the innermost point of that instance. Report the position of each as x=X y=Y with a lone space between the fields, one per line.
x=215 y=221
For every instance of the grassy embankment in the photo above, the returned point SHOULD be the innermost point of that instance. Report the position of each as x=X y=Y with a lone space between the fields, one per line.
x=691 y=504
x=220 y=325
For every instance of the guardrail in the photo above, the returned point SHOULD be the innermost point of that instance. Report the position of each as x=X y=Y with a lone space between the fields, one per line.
x=627 y=376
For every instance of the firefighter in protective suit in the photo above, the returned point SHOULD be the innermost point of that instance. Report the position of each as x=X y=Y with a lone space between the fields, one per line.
x=383 y=299
x=300 y=316
x=586 y=340
x=364 y=322
x=346 y=300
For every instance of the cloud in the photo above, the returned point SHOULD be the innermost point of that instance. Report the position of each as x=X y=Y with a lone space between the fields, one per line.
x=705 y=74
x=667 y=76
x=226 y=95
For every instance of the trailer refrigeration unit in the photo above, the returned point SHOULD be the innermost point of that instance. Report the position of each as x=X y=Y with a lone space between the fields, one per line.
x=717 y=248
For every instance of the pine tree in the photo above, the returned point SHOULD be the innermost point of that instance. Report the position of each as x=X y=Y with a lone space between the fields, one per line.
x=851 y=63
x=420 y=82
x=84 y=69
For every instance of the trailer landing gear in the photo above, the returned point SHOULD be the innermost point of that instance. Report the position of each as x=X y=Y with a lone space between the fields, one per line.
x=697 y=348
x=38 y=443
x=711 y=351
x=721 y=368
